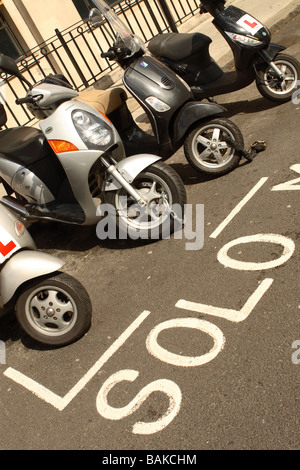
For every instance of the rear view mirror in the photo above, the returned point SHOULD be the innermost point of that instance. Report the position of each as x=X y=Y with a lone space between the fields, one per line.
x=95 y=17
x=8 y=65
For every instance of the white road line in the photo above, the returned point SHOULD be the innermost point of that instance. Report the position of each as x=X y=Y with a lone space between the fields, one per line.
x=293 y=185
x=235 y=316
x=238 y=208
x=61 y=402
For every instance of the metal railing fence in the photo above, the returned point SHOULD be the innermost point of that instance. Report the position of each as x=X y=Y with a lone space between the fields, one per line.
x=76 y=51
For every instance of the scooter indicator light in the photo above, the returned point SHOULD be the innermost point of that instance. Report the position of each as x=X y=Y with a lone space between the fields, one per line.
x=62 y=146
x=245 y=40
x=157 y=104
x=19 y=228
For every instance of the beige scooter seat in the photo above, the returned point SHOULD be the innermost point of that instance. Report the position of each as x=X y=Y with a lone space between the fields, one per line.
x=105 y=101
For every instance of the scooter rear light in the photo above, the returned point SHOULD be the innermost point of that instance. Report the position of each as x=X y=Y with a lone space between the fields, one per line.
x=61 y=146
x=19 y=228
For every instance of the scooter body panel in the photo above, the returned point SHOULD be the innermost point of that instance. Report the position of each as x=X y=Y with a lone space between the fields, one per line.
x=19 y=262
x=237 y=21
x=10 y=241
x=147 y=77
x=77 y=164
x=52 y=94
x=22 y=267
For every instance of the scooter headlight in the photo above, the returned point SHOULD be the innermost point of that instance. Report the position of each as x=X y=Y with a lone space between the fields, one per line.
x=94 y=131
x=245 y=40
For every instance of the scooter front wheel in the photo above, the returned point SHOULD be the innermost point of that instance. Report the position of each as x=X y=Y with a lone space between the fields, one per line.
x=275 y=88
x=54 y=310
x=211 y=147
x=162 y=191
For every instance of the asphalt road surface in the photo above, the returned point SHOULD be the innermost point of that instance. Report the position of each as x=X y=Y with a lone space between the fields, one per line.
x=188 y=349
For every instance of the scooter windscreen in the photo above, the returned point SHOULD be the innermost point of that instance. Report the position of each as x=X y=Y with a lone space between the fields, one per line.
x=121 y=31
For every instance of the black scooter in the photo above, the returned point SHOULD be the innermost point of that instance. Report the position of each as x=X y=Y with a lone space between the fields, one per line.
x=256 y=58
x=212 y=145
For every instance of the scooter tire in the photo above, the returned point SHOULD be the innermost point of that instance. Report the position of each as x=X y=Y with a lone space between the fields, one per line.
x=168 y=184
x=54 y=310
x=269 y=92
x=208 y=154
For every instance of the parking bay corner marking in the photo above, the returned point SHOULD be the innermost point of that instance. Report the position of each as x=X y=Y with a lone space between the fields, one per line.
x=59 y=402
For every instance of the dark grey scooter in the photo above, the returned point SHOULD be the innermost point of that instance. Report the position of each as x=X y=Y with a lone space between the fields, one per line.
x=212 y=144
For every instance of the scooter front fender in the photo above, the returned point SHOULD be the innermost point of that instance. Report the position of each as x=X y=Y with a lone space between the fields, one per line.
x=130 y=168
x=193 y=112
x=25 y=266
x=268 y=54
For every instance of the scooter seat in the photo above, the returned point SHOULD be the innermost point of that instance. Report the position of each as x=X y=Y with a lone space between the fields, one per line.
x=178 y=46
x=23 y=145
x=105 y=101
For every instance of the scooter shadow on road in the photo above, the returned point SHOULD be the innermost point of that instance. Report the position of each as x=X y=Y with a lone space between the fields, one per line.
x=11 y=332
x=190 y=176
x=75 y=239
x=251 y=106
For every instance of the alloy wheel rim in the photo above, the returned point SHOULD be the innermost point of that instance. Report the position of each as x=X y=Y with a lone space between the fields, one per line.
x=210 y=148
x=51 y=311
x=285 y=85
x=157 y=194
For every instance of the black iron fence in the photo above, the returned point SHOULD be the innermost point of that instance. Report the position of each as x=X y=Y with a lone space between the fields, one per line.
x=76 y=51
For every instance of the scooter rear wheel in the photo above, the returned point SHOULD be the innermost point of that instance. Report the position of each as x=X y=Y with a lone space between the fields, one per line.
x=54 y=310
x=278 y=89
x=211 y=147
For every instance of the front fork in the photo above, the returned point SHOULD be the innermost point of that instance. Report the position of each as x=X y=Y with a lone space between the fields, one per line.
x=112 y=170
x=268 y=55
x=277 y=70
x=124 y=172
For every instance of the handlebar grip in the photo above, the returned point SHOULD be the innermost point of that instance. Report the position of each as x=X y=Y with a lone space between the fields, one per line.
x=108 y=55
x=27 y=99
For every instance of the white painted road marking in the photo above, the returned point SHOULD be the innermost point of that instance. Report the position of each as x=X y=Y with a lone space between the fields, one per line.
x=293 y=185
x=165 y=386
x=185 y=361
x=61 y=402
x=287 y=243
x=229 y=314
x=238 y=208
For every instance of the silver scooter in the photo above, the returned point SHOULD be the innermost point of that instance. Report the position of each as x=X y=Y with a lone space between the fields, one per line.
x=51 y=306
x=60 y=172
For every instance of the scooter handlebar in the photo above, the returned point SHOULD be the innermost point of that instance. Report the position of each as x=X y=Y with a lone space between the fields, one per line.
x=116 y=52
x=109 y=54
x=202 y=9
x=211 y=6
x=27 y=99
